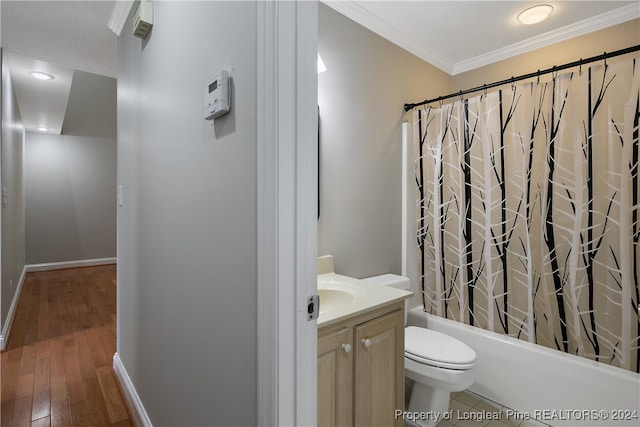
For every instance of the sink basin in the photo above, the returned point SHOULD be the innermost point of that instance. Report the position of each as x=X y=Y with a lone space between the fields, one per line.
x=330 y=299
x=342 y=296
x=337 y=293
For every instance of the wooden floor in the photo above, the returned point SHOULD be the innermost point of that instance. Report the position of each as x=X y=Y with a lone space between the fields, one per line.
x=57 y=370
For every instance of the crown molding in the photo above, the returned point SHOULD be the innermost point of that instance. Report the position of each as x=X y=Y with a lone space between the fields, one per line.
x=119 y=16
x=605 y=20
x=357 y=13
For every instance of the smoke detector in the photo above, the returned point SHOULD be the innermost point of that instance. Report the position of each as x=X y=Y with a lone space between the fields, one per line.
x=143 y=19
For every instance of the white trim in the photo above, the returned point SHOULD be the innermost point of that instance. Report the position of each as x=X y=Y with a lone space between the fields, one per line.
x=4 y=338
x=119 y=15
x=405 y=196
x=47 y=266
x=605 y=20
x=286 y=120
x=368 y=20
x=267 y=167
x=135 y=404
x=287 y=229
x=306 y=208
x=362 y=16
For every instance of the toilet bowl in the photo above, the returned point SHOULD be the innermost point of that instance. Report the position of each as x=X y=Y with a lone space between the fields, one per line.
x=437 y=363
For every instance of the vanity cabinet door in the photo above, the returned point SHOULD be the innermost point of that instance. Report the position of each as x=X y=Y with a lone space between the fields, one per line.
x=335 y=378
x=379 y=371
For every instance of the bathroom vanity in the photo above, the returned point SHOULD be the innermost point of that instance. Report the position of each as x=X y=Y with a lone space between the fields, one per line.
x=360 y=353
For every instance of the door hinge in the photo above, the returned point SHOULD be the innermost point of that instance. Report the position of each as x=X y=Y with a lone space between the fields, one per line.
x=313 y=307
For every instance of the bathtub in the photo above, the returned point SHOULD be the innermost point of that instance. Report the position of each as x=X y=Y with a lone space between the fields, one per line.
x=557 y=388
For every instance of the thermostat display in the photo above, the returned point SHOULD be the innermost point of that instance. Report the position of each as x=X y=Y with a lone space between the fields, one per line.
x=216 y=97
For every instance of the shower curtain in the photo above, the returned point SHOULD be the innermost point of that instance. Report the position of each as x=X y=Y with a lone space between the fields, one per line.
x=528 y=211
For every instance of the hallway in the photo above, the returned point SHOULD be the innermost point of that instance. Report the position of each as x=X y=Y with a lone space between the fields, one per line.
x=57 y=370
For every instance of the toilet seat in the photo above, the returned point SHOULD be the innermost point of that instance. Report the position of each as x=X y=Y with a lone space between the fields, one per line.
x=437 y=349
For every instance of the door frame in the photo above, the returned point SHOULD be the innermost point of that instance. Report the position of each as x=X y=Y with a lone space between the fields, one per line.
x=287 y=211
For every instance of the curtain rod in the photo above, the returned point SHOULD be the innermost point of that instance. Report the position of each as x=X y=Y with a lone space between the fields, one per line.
x=538 y=73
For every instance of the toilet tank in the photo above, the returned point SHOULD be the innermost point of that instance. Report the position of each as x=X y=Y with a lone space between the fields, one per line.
x=395 y=281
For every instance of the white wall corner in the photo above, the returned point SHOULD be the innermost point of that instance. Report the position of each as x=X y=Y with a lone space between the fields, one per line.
x=135 y=404
x=6 y=328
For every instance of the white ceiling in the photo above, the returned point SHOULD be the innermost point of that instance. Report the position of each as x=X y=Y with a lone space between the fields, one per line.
x=69 y=33
x=43 y=103
x=455 y=36
x=56 y=37
x=458 y=36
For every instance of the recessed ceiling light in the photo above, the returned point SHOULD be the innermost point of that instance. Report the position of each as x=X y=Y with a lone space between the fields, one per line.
x=43 y=128
x=535 y=14
x=40 y=75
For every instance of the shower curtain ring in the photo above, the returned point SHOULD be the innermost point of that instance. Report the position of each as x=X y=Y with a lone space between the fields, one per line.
x=580 y=69
x=538 y=79
x=605 y=59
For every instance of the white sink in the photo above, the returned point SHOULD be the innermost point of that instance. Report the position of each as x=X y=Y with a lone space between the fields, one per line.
x=342 y=296
x=331 y=299
x=338 y=294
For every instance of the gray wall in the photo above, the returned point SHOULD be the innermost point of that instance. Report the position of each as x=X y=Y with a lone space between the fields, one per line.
x=70 y=197
x=12 y=244
x=361 y=98
x=187 y=230
x=70 y=179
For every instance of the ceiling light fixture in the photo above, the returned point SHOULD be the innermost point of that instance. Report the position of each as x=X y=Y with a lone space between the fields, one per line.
x=43 y=128
x=40 y=75
x=535 y=14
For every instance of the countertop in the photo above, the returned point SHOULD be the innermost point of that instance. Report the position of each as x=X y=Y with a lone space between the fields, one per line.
x=366 y=296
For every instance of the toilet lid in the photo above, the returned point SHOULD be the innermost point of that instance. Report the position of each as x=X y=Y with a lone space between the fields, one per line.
x=437 y=349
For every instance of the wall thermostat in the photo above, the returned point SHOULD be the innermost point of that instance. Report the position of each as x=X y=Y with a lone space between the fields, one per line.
x=216 y=96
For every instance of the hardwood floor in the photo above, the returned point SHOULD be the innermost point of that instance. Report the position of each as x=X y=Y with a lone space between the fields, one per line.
x=57 y=370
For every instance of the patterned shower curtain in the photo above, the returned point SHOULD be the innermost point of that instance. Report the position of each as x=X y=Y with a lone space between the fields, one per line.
x=528 y=211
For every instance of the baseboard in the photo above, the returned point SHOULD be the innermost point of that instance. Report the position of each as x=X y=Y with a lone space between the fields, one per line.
x=6 y=328
x=47 y=266
x=135 y=404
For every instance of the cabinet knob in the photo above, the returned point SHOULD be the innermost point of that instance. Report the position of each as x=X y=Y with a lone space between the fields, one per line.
x=366 y=342
x=346 y=348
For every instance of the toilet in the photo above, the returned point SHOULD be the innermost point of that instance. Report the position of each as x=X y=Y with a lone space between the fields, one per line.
x=437 y=363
